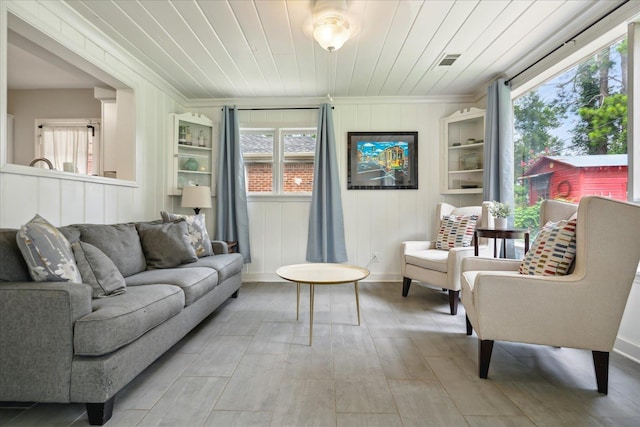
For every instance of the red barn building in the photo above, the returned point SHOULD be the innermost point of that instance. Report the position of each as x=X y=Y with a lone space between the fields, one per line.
x=571 y=177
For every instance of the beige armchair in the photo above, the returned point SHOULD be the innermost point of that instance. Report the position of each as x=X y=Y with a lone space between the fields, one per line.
x=582 y=309
x=423 y=262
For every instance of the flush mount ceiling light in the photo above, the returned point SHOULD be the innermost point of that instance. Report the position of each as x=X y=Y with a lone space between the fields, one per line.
x=331 y=32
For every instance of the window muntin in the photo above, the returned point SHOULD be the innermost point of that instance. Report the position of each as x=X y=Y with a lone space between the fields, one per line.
x=278 y=160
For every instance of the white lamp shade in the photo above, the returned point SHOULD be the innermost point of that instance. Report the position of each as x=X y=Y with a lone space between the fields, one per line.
x=331 y=33
x=196 y=197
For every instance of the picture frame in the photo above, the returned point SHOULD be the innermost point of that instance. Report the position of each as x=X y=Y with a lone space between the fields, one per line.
x=382 y=161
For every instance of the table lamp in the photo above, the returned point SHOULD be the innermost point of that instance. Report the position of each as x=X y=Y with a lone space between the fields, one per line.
x=196 y=197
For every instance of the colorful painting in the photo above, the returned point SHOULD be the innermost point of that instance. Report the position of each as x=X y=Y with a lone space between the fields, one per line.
x=382 y=160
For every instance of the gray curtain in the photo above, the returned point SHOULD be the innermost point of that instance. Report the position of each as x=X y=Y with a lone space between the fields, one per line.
x=232 y=221
x=326 y=226
x=498 y=149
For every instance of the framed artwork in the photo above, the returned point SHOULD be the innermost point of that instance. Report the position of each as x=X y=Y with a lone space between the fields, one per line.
x=382 y=161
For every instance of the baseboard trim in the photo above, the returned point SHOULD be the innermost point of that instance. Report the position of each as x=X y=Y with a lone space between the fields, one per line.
x=627 y=349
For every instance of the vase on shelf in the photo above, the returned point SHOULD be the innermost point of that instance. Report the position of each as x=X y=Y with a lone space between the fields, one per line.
x=191 y=164
x=500 y=223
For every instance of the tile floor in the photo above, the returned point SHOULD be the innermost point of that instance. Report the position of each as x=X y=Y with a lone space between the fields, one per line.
x=408 y=364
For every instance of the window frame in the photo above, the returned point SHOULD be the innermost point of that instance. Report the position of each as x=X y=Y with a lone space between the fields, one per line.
x=618 y=32
x=95 y=144
x=278 y=160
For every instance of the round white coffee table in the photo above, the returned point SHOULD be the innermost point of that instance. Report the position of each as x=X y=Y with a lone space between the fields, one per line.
x=322 y=274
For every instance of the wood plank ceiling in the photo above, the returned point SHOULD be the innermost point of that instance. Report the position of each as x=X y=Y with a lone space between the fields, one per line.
x=264 y=48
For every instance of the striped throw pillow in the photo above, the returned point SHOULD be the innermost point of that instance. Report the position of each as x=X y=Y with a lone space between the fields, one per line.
x=553 y=250
x=456 y=231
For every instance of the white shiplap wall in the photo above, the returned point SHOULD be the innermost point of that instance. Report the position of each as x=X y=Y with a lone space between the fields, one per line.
x=375 y=220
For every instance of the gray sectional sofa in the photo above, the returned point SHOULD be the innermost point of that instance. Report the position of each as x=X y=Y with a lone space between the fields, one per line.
x=60 y=344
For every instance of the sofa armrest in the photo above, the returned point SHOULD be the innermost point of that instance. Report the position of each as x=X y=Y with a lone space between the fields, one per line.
x=219 y=247
x=490 y=264
x=36 y=338
x=416 y=245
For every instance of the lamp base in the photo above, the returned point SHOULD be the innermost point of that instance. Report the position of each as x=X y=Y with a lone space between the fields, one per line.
x=196 y=210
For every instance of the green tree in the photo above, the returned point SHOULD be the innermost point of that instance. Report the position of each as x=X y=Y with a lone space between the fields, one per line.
x=600 y=102
x=534 y=121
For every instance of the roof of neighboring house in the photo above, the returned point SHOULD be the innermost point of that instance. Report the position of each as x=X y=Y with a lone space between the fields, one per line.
x=592 y=160
x=258 y=144
x=586 y=161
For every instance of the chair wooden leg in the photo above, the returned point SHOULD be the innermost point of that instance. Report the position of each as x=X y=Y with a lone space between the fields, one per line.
x=406 y=282
x=469 y=326
x=484 y=357
x=601 y=365
x=454 y=297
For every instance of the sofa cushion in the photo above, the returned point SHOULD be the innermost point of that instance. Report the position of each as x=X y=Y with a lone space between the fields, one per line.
x=98 y=271
x=120 y=242
x=47 y=252
x=225 y=264
x=166 y=245
x=194 y=282
x=12 y=263
x=456 y=231
x=431 y=259
x=197 y=227
x=117 y=321
x=71 y=232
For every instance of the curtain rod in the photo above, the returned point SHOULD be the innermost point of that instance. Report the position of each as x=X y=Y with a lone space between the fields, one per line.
x=279 y=108
x=52 y=125
x=571 y=39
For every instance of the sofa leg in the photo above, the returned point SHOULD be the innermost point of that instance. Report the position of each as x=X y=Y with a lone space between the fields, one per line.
x=469 y=326
x=100 y=413
x=454 y=297
x=406 y=282
x=601 y=365
x=235 y=294
x=484 y=356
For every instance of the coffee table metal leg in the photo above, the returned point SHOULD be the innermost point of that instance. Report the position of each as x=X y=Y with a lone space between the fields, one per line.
x=355 y=285
x=311 y=297
x=298 y=302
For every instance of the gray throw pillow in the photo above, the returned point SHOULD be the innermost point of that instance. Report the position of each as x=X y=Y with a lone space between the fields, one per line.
x=166 y=245
x=197 y=231
x=120 y=242
x=47 y=252
x=98 y=271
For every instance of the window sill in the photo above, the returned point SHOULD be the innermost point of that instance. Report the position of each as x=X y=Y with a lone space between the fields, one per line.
x=54 y=174
x=284 y=198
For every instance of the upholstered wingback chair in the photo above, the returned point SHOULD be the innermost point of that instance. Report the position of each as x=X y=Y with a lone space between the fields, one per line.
x=582 y=309
x=441 y=268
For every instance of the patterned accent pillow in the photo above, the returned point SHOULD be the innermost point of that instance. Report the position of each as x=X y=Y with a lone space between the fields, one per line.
x=47 y=252
x=456 y=231
x=553 y=250
x=197 y=231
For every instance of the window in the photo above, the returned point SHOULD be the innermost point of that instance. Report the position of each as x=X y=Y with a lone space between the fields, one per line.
x=70 y=145
x=278 y=160
x=570 y=135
